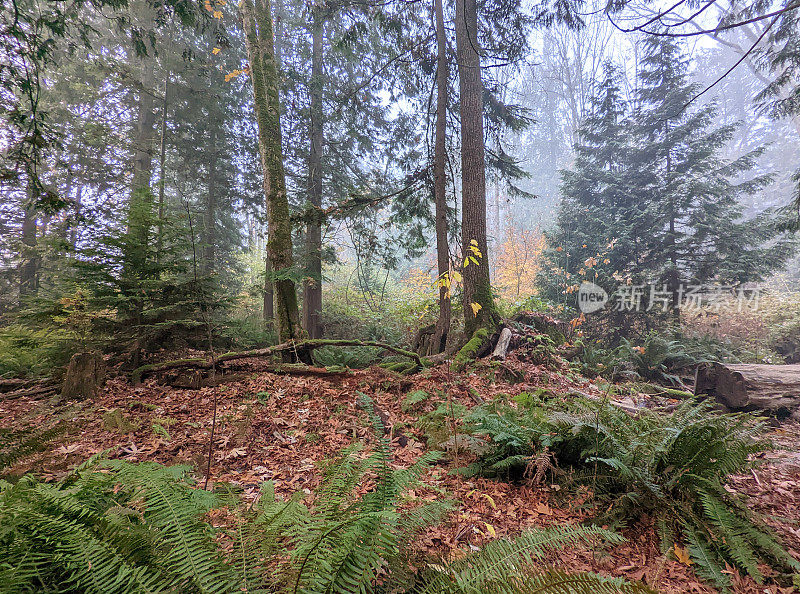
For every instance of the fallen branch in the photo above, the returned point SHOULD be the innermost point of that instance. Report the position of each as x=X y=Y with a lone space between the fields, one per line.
x=629 y=408
x=15 y=384
x=297 y=346
x=35 y=391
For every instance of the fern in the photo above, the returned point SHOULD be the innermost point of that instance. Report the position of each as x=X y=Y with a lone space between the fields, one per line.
x=508 y=566
x=18 y=444
x=115 y=527
x=350 y=540
x=672 y=467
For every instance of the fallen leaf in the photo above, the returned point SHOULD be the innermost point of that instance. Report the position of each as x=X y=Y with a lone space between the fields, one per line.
x=681 y=554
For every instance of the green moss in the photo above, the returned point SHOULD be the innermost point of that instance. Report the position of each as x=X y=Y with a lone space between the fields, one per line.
x=469 y=351
x=113 y=420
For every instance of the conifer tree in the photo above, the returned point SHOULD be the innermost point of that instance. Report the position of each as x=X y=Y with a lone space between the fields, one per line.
x=599 y=204
x=692 y=227
x=651 y=201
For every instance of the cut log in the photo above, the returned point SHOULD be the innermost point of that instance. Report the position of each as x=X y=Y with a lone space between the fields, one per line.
x=85 y=375
x=749 y=387
x=501 y=348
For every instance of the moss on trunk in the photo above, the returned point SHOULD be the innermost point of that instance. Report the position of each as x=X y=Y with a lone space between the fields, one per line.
x=469 y=351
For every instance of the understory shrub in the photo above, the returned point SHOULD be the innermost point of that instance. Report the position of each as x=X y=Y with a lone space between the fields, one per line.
x=656 y=358
x=27 y=353
x=670 y=466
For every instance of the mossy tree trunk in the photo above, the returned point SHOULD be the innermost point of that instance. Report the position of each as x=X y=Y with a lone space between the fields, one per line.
x=479 y=311
x=257 y=21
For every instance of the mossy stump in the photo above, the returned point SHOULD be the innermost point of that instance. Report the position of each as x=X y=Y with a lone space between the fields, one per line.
x=86 y=374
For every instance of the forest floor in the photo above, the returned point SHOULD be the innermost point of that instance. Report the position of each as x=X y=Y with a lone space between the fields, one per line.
x=279 y=428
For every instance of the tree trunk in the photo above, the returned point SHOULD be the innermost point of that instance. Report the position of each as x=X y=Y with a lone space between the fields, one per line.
x=312 y=285
x=140 y=206
x=439 y=341
x=479 y=309
x=269 y=294
x=141 y=201
x=28 y=268
x=162 y=153
x=264 y=77
x=209 y=215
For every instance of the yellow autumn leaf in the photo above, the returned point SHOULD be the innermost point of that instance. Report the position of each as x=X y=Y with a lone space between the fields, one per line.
x=466 y=262
x=215 y=51
x=490 y=529
x=457 y=276
x=473 y=242
x=490 y=500
x=681 y=554
x=217 y=14
x=476 y=307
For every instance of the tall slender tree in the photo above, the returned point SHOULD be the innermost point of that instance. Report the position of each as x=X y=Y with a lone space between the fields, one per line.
x=257 y=21
x=440 y=181
x=312 y=284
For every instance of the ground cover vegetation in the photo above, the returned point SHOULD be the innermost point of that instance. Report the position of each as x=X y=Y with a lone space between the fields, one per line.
x=399 y=297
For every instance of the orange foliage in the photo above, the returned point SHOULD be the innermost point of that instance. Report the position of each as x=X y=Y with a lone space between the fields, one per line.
x=517 y=263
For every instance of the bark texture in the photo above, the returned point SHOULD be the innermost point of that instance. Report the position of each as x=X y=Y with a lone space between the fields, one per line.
x=257 y=22
x=477 y=285
x=442 y=330
x=86 y=374
x=312 y=285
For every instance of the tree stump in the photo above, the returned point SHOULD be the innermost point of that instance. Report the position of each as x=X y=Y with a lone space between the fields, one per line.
x=503 y=342
x=85 y=375
x=772 y=388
